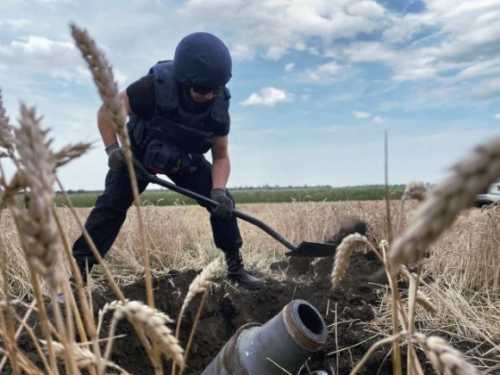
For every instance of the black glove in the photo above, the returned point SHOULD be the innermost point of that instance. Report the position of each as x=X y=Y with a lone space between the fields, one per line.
x=116 y=159
x=226 y=204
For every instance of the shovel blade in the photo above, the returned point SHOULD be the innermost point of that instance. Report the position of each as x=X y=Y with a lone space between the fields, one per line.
x=313 y=250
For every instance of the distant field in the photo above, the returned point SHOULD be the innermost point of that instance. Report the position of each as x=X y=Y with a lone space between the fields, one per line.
x=257 y=195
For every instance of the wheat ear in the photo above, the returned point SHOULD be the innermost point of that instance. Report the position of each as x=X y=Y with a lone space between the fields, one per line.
x=415 y=190
x=200 y=284
x=102 y=74
x=343 y=255
x=425 y=302
x=469 y=177
x=444 y=358
x=84 y=357
x=153 y=323
x=70 y=152
x=37 y=226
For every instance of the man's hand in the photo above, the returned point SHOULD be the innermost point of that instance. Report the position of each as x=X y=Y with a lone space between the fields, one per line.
x=116 y=159
x=226 y=204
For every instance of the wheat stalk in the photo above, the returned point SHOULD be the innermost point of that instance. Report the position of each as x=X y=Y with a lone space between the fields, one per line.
x=444 y=358
x=343 y=255
x=152 y=322
x=469 y=177
x=37 y=226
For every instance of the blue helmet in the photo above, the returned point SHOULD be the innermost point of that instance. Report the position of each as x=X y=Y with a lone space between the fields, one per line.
x=203 y=60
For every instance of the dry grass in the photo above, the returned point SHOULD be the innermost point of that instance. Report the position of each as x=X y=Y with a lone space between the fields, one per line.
x=180 y=236
x=461 y=278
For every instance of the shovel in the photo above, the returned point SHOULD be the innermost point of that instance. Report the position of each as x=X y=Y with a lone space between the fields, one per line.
x=304 y=249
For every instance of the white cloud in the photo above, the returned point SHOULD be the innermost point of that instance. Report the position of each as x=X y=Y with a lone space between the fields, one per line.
x=268 y=96
x=37 y=55
x=39 y=45
x=14 y=24
x=404 y=28
x=497 y=116
x=449 y=40
x=361 y=115
x=488 y=89
x=445 y=38
x=368 y=9
x=241 y=51
x=323 y=73
x=478 y=69
x=370 y=52
x=289 y=67
x=276 y=27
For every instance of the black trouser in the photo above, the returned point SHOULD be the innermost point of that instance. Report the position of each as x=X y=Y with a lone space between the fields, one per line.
x=108 y=215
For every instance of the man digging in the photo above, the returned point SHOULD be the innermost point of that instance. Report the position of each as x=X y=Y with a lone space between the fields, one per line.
x=177 y=112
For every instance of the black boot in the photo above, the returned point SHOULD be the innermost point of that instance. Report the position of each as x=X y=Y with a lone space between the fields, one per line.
x=237 y=273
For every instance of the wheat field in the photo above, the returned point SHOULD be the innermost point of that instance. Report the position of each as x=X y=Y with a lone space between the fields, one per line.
x=462 y=264
x=440 y=258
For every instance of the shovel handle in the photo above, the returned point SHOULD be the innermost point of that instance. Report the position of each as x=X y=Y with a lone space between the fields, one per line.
x=266 y=228
x=213 y=204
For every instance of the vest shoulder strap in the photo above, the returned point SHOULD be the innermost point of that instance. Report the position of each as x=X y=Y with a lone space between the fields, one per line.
x=165 y=86
x=220 y=109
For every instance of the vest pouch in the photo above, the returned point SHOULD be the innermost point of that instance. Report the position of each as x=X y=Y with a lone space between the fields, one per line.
x=162 y=157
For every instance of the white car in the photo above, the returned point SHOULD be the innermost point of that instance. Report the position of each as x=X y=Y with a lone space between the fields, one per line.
x=491 y=196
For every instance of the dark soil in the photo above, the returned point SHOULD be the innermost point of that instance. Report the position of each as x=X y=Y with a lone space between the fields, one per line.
x=228 y=308
x=351 y=304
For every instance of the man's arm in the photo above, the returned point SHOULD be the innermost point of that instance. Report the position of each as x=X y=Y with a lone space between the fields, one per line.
x=105 y=123
x=221 y=163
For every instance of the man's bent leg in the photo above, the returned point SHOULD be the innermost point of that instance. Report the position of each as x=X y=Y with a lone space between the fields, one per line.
x=225 y=231
x=106 y=218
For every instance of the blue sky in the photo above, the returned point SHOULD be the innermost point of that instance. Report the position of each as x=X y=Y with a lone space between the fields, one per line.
x=315 y=82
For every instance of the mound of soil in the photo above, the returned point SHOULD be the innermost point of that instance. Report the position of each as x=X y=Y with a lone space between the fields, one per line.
x=228 y=308
x=346 y=308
